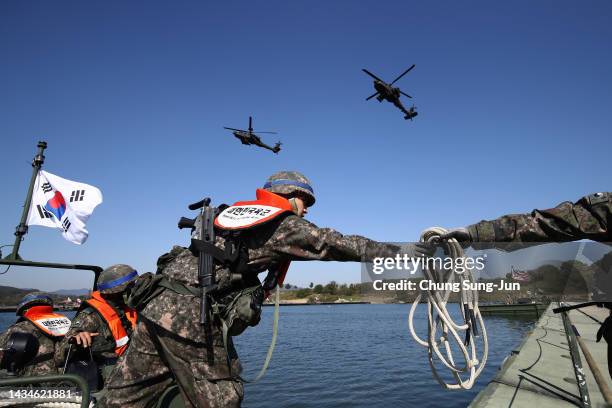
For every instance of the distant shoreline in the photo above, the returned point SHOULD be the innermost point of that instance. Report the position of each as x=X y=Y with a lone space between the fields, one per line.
x=317 y=304
x=12 y=309
x=56 y=309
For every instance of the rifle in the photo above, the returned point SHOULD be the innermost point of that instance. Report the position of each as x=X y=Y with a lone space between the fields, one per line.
x=202 y=239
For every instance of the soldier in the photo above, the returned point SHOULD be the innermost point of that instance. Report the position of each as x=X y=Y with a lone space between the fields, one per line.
x=36 y=318
x=169 y=344
x=588 y=218
x=104 y=323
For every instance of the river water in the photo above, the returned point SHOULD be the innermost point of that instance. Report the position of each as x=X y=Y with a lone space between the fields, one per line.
x=353 y=356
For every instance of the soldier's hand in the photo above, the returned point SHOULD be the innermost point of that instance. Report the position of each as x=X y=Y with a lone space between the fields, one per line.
x=419 y=249
x=460 y=234
x=84 y=339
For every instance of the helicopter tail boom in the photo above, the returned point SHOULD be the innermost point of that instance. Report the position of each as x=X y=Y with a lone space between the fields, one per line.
x=277 y=147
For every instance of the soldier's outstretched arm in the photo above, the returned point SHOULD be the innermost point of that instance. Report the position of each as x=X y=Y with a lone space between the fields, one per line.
x=588 y=218
x=298 y=239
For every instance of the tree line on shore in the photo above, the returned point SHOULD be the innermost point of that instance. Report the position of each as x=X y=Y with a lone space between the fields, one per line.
x=550 y=281
x=331 y=288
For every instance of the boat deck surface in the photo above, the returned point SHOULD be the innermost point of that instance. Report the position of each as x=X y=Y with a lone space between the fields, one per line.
x=539 y=372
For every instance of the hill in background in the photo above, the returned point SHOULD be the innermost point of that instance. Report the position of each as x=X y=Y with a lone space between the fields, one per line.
x=10 y=296
x=72 y=292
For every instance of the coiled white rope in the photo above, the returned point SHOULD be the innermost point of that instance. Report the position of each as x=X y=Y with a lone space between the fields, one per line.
x=441 y=328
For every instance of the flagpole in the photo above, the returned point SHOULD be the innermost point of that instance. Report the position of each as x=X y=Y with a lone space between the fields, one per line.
x=22 y=228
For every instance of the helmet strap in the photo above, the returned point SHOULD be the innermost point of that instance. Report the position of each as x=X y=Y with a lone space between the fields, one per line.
x=294 y=205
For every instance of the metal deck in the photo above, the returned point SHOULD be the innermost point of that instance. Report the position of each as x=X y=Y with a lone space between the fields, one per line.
x=540 y=372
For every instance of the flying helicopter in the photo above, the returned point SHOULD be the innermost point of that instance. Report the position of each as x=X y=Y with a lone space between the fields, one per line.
x=391 y=93
x=248 y=137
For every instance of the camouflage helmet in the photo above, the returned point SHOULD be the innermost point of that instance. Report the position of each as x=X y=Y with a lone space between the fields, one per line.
x=290 y=183
x=116 y=278
x=33 y=299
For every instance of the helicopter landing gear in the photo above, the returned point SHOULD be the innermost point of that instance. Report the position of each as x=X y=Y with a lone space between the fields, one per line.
x=411 y=114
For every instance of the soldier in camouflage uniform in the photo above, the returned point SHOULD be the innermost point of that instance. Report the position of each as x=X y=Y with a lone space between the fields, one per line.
x=169 y=344
x=91 y=329
x=43 y=363
x=588 y=218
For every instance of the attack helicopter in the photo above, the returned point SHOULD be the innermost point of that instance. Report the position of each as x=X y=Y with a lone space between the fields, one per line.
x=391 y=93
x=248 y=137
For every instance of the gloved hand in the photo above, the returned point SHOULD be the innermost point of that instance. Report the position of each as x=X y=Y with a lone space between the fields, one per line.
x=460 y=234
x=419 y=249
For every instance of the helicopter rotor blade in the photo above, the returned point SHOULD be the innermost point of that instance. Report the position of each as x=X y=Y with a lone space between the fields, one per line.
x=371 y=96
x=273 y=133
x=404 y=73
x=405 y=94
x=235 y=130
x=372 y=75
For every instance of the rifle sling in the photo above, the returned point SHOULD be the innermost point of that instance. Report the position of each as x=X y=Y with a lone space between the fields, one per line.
x=179 y=287
x=41 y=358
x=225 y=257
x=262 y=371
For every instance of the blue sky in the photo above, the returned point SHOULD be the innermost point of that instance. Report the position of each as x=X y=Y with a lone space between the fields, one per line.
x=513 y=101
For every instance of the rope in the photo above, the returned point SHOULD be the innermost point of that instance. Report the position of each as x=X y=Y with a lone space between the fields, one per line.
x=263 y=369
x=442 y=330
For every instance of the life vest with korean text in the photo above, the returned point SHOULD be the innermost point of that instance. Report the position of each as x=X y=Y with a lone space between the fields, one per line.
x=113 y=320
x=244 y=215
x=52 y=324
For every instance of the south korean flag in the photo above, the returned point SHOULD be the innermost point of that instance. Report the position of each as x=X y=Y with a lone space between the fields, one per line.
x=63 y=204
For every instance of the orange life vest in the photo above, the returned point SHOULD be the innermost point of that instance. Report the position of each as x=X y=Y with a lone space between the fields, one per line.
x=247 y=214
x=113 y=320
x=53 y=324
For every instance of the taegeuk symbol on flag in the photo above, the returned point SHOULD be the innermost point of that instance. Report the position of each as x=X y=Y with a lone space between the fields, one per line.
x=63 y=204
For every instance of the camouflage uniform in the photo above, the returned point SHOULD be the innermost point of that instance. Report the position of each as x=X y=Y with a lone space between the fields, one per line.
x=588 y=218
x=168 y=344
x=112 y=283
x=103 y=345
x=43 y=363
